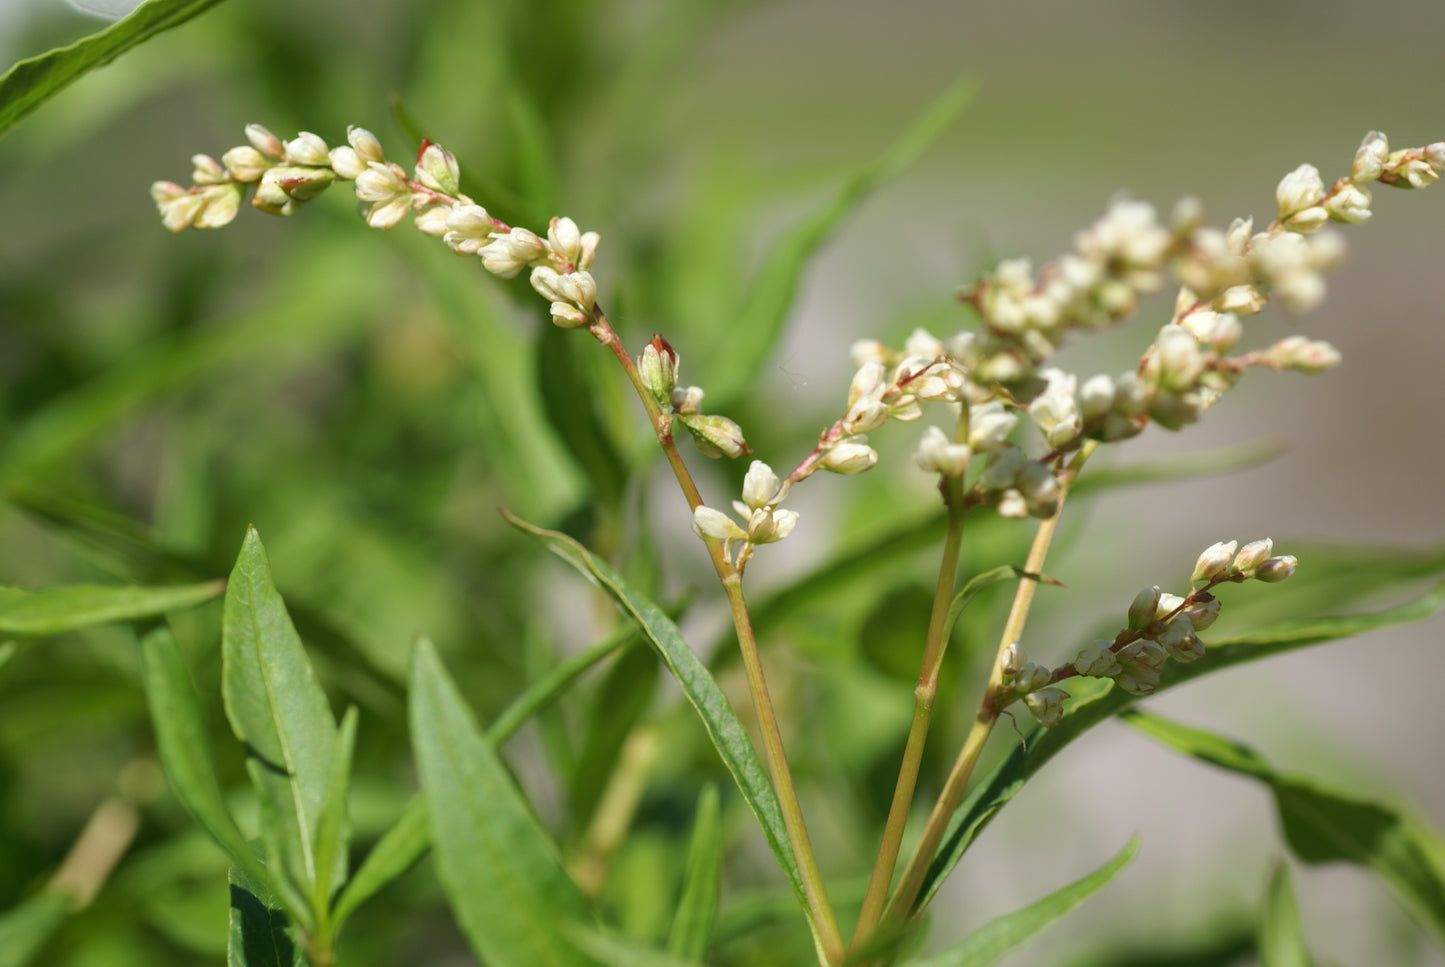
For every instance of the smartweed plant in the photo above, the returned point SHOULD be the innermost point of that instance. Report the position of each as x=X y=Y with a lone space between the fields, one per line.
x=1007 y=440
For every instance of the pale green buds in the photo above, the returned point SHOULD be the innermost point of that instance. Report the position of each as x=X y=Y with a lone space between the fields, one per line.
x=849 y=455
x=1029 y=678
x=509 y=252
x=989 y=426
x=657 y=368
x=265 y=142
x=1298 y=194
x=283 y=186
x=433 y=221
x=222 y=202
x=246 y=163
x=307 y=149
x=1350 y=204
x=1370 y=159
x=1213 y=561
x=1303 y=355
x=1144 y=608
x=765 y=523
x=364 y=143
x=1250 y=557
x=385 y=186
x=1055 y=412
x=1097 y=660
x=567 y=316
x=469 y=229
x=207 y=170
x=178 y=207
x=1047 y=705
x=437 y=169
x=715 y=436
x=1276 y=569
x=938 y=454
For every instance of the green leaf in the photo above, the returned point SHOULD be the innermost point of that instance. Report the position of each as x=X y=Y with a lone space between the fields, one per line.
x=718 y=718
x=989 y=943
x=258 y=935
x=1095 y=701
x=1190 y=466
x=26 y=927
x=572 y=390
x=400 y=847
x=51 y=611
x=702 y=882
x=977 y=583
x=8 y=650
x=1281 y=939
x=1324 y=825
x=759 y=322
x=278 y=710
x=184 y=746
x=506 y=884
x=30 y=83
x=617 y=951
x=333 y=833
x=533 y=149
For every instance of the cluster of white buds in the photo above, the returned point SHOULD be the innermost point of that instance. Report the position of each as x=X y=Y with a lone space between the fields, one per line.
x=716 y=436
x=1024 y=679
x=763 y=522
x=285 y=174
x=1161 y=625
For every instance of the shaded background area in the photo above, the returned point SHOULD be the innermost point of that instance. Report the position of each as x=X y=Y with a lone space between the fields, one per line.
x=367 y=401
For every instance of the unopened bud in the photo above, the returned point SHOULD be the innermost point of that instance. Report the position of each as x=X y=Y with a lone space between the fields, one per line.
x=1144 y=608
x=207 y=170
x=436 y=168
x=1349 y=204
x=850 y=455
x=1213 y=561
x=1203 y=612
x=1251 y=556
x=938 y=454
x=364 y=143
x=307 y=149
x=715 y=436
x=567 y=316
x=245 y=164
x=1276 y=569
x=1047 y=705
x=1011 y=659
x=1097 y=660
x=565 y=240
x=657 y=367
x=1370 y=159
x=265 y=142
x=1299 y=190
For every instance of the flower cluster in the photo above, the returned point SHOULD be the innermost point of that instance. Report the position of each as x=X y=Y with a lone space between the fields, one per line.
x=285 y=174
x=763 y=521
x=1160 y=626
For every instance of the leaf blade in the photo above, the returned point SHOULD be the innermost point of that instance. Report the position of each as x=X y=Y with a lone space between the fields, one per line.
x=988 y=944
x=1281 y=938
x=55 y=610
x=399 y=847
x=33 y=81
x=499 y=870
x=697 y=909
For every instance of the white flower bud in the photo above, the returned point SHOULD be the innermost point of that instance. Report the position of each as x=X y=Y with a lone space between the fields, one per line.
x=1435 y=155
x=989 y=426
x=579 y=288
x=866 y=351
x=1003 y=469
x=346 y=162
x=1203 y=612
x=1309 y=220
x=1370 y=159
x=1300 y=189
x=1144 y=608
x=715 y=436
x=222 y=202
x=1175 y=630
x=921 y=342
x=1030 y=678
x=207 y=170
x=1276 y=569
x=364 y=143
x=1096 y=396
x=437 y=169
x=588 y=252
x=760 y=485
x=544 y=279
x=657 y=368
x=1097 y=660
x=1243 y=300
x=864 y=416
x=1143 y=653
x=433 y=221
x=1057 y=417
x=509 y=252
x=938 y=454
x=264 y=141
x=1040 y=489
x=1179 y=358
x=708 y=522
x=687 y=400
x=767 y=526
x=307 y=149
x=1167 y=604
x=246 y=163
x=1186 y=649
x=850 y=455
x=1213 y=561
x=1011 y=659
x=1047 y=705
x=567 y=316
x=1251 y=556
x=1138 y=680
x=1416 y=173
x=469 y=229
x=1349 y=204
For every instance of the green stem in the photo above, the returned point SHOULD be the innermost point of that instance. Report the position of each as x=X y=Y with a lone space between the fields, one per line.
x=934 y=646
x=900 y=906
x=820 y=912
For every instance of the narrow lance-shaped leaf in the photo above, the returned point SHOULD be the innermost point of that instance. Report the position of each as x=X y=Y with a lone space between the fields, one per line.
x=507 y=887
x=1281 y=938
x=258 y=934
x=1094 y=701
x=278 y=710
x=52 y=611
x=1324 y=825
x=988 y=944
x=697 y=910
x=399 y=847
x=718 y=718
x=333 y=833
x=184 y=746
x=30 y=83
x=977 y=583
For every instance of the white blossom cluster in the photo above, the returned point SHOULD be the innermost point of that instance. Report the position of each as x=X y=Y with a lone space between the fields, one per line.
x=762 y=521
x=992 y=376
x=715 y=436
x=285 y=174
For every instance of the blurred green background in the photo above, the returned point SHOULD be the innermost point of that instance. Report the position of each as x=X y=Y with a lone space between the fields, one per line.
x=368 y=400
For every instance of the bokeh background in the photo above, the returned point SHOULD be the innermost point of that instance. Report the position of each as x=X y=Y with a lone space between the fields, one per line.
x=368 y=400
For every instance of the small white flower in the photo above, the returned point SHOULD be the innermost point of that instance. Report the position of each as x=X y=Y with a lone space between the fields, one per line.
x=265 y=142
x=1047 y=705
x=1213 y=561
x=510 y=252
x=850 y=455
x=760 y=486
x=1144 y=608
x=307 y=149
x=1370 y=159
x=989 y=426
x=565 y=241
x=1251 y=556
x=437 y=169
x=364 y=143
x=1300 y=189
x=1276 y=569
x=715 y=524
x=386 y=188
x=1350 y=204
x=938 y=454
x=1097 y=660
